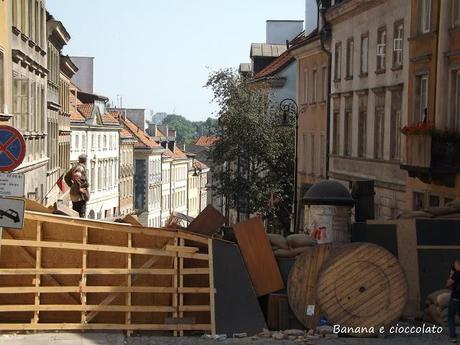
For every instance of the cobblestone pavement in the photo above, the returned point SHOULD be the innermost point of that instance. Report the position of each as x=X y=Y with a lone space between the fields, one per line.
x=119 y=339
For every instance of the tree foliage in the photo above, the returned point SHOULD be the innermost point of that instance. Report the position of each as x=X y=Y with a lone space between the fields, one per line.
x=188 y=131
x=255 y=153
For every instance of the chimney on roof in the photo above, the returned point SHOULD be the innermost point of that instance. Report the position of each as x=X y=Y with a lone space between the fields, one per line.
x=152 y=129
x=172 y=145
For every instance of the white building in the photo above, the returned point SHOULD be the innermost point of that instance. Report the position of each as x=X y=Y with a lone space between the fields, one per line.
x=96 y=134
x=166 y=164
x=147 y=178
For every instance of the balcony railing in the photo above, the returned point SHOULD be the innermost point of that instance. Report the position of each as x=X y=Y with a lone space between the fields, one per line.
x=432 y=158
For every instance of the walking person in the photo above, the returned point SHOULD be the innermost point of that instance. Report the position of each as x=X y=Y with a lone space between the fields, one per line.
x=79 y=187
x=453 y=283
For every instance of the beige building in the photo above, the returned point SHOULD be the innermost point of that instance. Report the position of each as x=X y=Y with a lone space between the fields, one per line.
x=126 y=183
x=58 y=124
x=5 y=61
x=29 y=75
x=433 y=160
x=370 y=59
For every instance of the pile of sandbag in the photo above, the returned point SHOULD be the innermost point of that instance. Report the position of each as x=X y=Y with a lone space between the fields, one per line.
x=436 y=307
x=290 y=246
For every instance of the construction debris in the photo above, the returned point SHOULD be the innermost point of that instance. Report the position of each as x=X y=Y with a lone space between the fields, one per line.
x=208 y=222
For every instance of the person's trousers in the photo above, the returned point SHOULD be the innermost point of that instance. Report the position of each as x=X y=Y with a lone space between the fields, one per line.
x=80 y=207
x=454 y=309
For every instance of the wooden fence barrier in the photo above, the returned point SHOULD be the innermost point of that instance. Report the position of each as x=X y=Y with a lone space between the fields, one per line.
x=61 y=273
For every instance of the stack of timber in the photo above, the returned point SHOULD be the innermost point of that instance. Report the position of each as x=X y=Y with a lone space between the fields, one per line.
x=61 y=273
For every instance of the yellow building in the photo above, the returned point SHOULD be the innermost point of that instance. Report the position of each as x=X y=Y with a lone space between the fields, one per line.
x=5 y=58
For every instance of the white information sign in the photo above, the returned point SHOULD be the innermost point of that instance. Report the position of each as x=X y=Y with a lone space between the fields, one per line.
x=12 y=213
x=12 y=185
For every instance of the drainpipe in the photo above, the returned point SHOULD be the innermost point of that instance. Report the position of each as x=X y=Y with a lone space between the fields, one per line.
x=323 y=33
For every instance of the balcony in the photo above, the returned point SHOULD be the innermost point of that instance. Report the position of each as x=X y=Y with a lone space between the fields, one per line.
x=432 y=159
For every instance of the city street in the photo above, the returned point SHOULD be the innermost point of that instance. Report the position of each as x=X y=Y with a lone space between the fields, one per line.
x=119 y=339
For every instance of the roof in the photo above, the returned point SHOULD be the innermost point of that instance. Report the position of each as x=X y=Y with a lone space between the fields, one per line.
x=267 y=50
x=125 y=134
x=108 y=119
x=328 y=192
x=178 y=153
x=143 y=139
x=199 y=165
x=86 y=110
x=278 y=64
x=75 y=116
x=245 y=67
x=206 y=140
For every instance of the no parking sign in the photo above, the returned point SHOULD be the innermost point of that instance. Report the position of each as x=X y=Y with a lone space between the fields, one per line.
x=12 y=148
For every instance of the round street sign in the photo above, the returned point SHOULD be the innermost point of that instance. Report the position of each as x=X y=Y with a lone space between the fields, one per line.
x=12 y=148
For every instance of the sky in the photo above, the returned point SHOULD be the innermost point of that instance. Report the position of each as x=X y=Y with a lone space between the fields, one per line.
x=158 y=54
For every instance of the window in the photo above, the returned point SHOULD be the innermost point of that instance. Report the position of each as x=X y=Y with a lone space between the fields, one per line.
x=348 y=126
x=2 y=81
x=395 y=134
x=456 y=119
x=455 y=13
x=379 y=130
x=314 y=85
x=21 y=101
x=325 y=85
x=418 y=201
x=312 y=154
x=381 y=49
x=362 y=126
x=323 y=155
x=335 y=126
x=337 y=61
x=93 y=176
x=398 y=44
x=421 y=109
x=305 y=86
x=350 y=48
x=434 y=201
x=424 y=15
x=364 y=54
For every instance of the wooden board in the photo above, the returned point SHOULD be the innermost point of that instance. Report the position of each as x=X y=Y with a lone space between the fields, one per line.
x=362 y=285
x=237 y=307
x=69 y=273
x=207 y=222
x=258 y=256
x=302 y=284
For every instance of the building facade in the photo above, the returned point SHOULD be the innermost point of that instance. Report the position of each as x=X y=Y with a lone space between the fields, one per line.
x=147 y=174
x=126 y=183
x=97 y=134
x=370 y=59
x=432 y=160
x=29 y=82
x=5 y=61
x=57 y=37
x=166 y=163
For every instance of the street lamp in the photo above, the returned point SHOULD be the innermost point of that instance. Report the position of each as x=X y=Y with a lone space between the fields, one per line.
x=289 y=109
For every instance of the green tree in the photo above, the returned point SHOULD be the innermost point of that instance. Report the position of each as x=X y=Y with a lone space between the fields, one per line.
x=255 y=153
x=188 y=131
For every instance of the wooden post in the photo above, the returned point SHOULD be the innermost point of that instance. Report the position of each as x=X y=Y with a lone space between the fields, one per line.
x=211 y=288
x=38 y=262
x=175 y=285
x=83 y=276
x=129 y=282
x=181 y=284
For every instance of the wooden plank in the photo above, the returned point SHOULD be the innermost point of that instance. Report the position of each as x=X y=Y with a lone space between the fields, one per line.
x=207 y=222
x=102 y=326
x=302 y=282
x=211 y=287
x=101 y=289
x=38 y=262
x=93 y=271
x=192 y=237
x=259 y=259
x=84 y=308
x=182 y=249
x=98 y=224
x=129 y=284
x=175 y=297
x=83 y=274
x=90 y=247
x=181 y=284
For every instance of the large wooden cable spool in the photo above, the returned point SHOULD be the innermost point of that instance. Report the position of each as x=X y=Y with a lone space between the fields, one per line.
x=362 y=285
x=302 y=284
